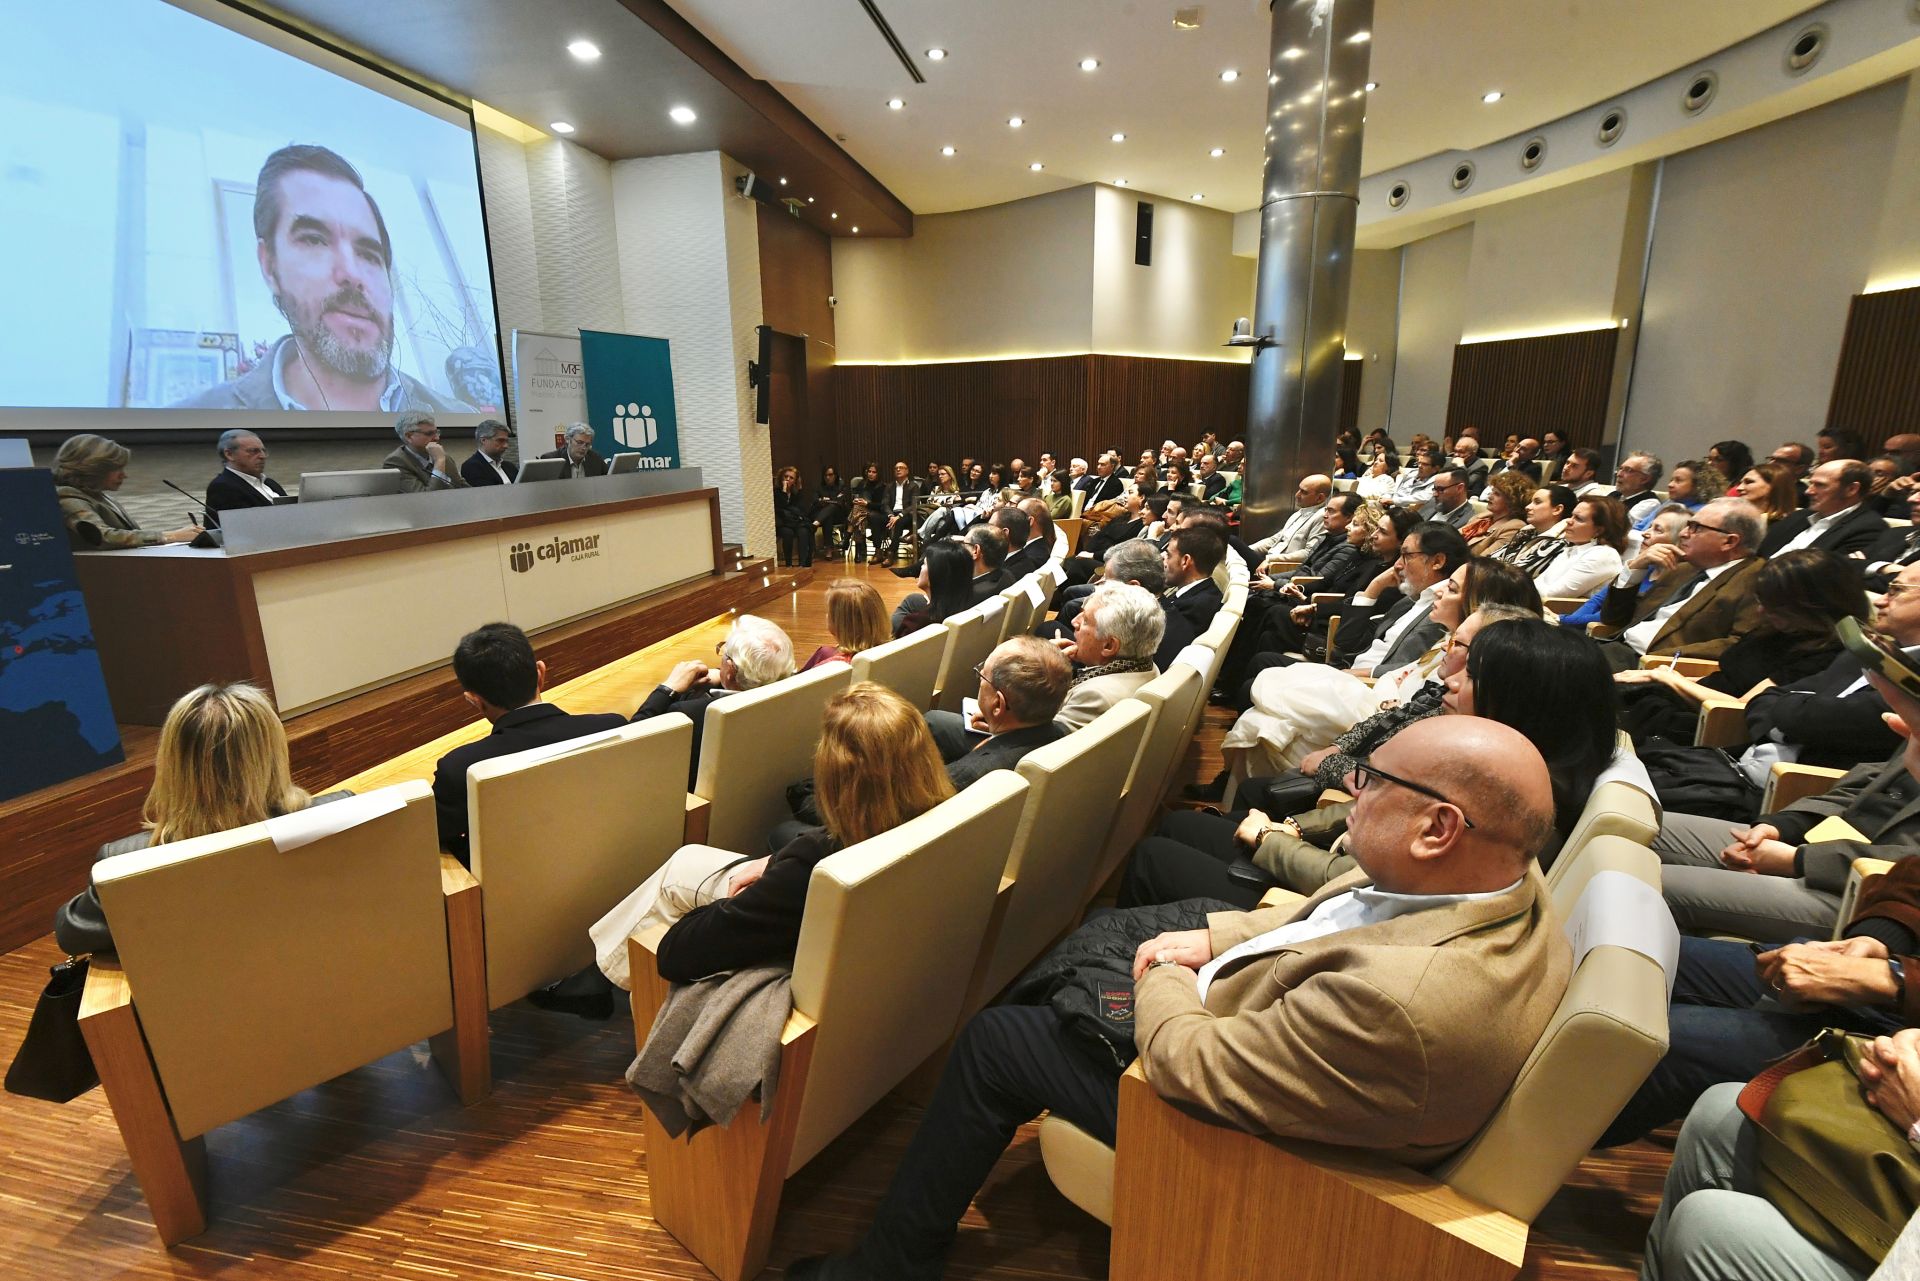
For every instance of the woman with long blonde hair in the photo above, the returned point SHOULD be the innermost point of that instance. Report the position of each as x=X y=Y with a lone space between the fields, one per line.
x=856 y=618
x=221 y=764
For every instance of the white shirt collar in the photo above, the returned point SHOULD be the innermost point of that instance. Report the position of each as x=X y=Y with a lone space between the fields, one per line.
x=260 y=485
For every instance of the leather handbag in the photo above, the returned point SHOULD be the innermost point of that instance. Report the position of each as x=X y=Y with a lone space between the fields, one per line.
x=1838 y=1170
x=53 y=1062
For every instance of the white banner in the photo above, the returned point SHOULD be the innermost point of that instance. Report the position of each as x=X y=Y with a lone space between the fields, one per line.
x=549 y=388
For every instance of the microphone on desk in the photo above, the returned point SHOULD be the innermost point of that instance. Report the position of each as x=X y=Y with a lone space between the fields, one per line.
x=209 y=535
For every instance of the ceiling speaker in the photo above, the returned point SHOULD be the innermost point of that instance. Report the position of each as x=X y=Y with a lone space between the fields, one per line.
x=1463 y=175
x=1806 y=47
x=1398 y=195
x=1613 y=123
x=1533 y=153
x=1699 y=92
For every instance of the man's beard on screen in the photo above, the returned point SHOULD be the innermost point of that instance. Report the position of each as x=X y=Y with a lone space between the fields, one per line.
x=311 y=332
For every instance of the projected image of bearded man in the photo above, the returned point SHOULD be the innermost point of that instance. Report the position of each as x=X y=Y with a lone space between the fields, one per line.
x=327 y=260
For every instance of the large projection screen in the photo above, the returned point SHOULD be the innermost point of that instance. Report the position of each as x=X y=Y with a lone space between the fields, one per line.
x=160 y=283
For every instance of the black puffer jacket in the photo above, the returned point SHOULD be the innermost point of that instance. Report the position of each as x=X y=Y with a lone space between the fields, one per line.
x=1088 y=977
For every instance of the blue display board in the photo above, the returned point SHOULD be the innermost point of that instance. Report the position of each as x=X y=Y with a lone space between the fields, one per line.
x=630 y=397
x=55 y=721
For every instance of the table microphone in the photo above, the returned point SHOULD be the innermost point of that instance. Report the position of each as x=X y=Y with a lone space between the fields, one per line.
x=209 y=535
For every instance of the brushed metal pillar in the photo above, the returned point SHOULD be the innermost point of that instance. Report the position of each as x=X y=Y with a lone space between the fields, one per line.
x=1316 y=100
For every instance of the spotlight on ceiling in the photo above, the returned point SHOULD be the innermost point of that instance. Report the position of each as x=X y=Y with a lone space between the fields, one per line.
x=1089 y=64
x=1229 y=75
x=1119 y=137
x=1218 y=152
x=833 y=215
x=894 y=104
x=585 y=50
x=1036 y=166
x=561 y=126
x=856 y=231
x=1372 y=85
x=1119 y=182
x=682 y=115
x=1014 y=122
x=1199 y=195
x=1295 y=52
x=1491 y=96
x=946 y=151
x=783 y=182
x=936 y=55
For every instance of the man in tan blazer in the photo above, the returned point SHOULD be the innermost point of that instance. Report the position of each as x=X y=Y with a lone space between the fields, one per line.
x=1704 y=601
x=1392 y=1011
x=1112 y=647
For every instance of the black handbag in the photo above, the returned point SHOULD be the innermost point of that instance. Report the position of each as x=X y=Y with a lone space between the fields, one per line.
x=53 y=1062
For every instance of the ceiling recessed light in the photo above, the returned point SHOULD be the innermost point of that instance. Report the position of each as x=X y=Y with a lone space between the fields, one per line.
x=1036 y=166
x=1014 y=122
x=1491 y=96
x=856 y=231
x=682 y=115
x=834 y=215
x=585 y=50
x=1372 y=85
x=1119 y=137
x=1229 y=75
x=809 y=199
x=783 y=182
x=1218 y=152
x=946 y=151
x=561 y=126
x=1199 y=195
x=1119 y=182
x=936 y=55
x=1088 y=64
x=1360 y=37
x=1295 y=52
x=894 y=104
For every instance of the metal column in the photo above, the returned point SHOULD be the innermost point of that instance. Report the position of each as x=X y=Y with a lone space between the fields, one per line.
x=1316 y=100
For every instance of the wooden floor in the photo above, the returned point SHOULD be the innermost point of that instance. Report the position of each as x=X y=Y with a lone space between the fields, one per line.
x=380 y=1173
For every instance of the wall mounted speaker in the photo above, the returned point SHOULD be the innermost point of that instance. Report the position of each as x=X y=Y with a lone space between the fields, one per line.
x=1532 y=153
x=1806 y=47
x=1699 y=92
x=1398 y=195
x=1613 y=123
x=1142 y=234
x=1463 y=175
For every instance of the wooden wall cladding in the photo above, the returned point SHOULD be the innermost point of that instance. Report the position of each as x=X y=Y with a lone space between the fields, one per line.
x=1876 y=387
x=1526 y=385
x=997 y=409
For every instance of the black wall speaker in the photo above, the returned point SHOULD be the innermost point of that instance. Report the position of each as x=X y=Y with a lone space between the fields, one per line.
x=1142 y=234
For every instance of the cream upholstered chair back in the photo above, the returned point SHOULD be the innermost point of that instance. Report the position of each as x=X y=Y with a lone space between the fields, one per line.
x=1017 y=616
x=1171 y=696
x=1614 y=809
x=1607 y=1035
x=892 y=931
x=258 y=971
x=908 y=666
x=1213 y=643
x=1052 y=574
x=562 y=833
x=755 y=743
x=1072 y=784
x=1236 y=601
x=971 y=636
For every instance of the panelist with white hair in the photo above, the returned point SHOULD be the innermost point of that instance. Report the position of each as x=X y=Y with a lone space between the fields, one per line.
x=421 y=460
x=1114 y=638
x=582 y=458
x=242 y=482
x=755 y=653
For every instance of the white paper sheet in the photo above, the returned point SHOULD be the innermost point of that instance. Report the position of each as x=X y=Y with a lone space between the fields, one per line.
x=1620 y=910
x=303 y=827
x=1034 y=594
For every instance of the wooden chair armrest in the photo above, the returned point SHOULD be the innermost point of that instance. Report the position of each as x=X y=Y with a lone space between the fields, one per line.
x=1304 y=581
x=106 y=988
x=1789 y=783
x=1332 y=796
x=1865 y=867
x=455 y=879
x=1281 y=564
x=1281 y=896
x=1722 y=723
x=1692 y=668
x=699 y=818
x=1327 y=598
x=463 y=1052
x=1564 y=604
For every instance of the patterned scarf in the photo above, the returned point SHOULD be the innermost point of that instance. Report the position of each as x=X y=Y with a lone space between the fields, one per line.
x=1114 y=668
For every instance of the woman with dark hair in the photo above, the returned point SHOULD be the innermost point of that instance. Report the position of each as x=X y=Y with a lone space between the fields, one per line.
x=995 y=480
x=1346 y=464
x=1770 y=487
x=1732 y=459
x=1589 y=554
x=1146 y=481
x=1058 y=497
x=1180 y=478
x=946 y=588
x=1382 y=473
x=793 y=518
x=1546 y=517
x=976 y=478
x=831 y=500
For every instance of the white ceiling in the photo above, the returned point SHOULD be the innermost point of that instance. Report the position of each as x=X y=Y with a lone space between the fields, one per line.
x=1433 y=59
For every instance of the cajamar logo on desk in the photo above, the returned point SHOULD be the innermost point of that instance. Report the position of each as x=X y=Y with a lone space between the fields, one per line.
x=522 y=557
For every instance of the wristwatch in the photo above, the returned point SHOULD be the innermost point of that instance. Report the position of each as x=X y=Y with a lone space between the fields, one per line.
x=1899 y=980
x=1154 y=965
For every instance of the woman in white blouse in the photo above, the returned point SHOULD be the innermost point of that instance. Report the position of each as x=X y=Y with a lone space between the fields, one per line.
x=1380 y=478
x=1590 y=550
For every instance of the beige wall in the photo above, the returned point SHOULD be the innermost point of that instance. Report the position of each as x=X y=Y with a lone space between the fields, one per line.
x=1759 y=242
x=1009 y=280
x=1373 y=319
x=1432 y=310
x=1896 y=249
x=1185 y=302
x=1548 y=261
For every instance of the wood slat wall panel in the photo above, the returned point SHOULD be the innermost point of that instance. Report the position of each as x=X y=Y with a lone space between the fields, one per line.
x=1876 y=386
x=1527 y=385
x=997 y=409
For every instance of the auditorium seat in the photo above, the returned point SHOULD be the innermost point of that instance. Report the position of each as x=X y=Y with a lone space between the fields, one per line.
x=1177 y=1177
x=752 y=745
x=247 y=972
x=1016 y=614
x=1615 y=810
x=894 y=930
x=908 y=666
x=1173 y=696
x=1850 y=897
x=1787 y=783
x=560 y=834
x=971 y=636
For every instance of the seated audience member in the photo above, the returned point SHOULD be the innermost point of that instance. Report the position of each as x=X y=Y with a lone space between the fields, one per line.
x=1212 y=484
x=1022 y=686
x=1894 y=550
x=420 y=458
x=1893 y=482
x=583 y=459
x=1304 y=627
x=1299 y=531
x=1555 y=450
x=875 y=767
x=1430 y=553
x=86 y=471
x=1546 y=515
x=1521 y=456
x=1665 y=528
x=1025 y=553
x=1589 y=552
x=1698 y=612
x=1114 y=639
x=1192 y=554
x=755 y=653
x=946 y=587
x=488 y=463
x=1332 y=556
x=1195 y=515
x=856 y=619
x=987 y=545
x=1771 y=488
x=1581 y=473
x=793 y=518
x=1467 y=461
x=890 y=509
x=221 y=764
x=1043 y=539
x=1058 y=495
x=1836 y=518
x=1801 y=595
x=1694 y=484
x=1837 y=446
x=832 y=501
x=1733 y=460
x=1103 y=486
x=1447 y=823
x=1507 y=496
x=243 y=481
x=1449 y=504
x=500 y=679
x=1796 y=458
x=1138 y=515
x=1414 y=488
x=1634 y=480
x=1382 y=474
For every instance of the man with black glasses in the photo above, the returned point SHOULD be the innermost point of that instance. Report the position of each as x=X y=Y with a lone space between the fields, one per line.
x=1696 y=611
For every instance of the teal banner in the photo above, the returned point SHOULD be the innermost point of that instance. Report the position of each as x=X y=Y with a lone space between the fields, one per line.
x=630 y=397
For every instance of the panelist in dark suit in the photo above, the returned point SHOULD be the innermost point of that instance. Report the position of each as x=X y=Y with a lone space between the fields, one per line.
x=243 y=481
x=421 y=459
x=581 y=457
x=1836 y=518
x=755 y=653
x=500 y=677
x=489 y=465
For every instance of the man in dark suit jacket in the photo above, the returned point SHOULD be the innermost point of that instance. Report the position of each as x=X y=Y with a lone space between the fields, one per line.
x=755 y=653
x=1836 y=518
x=890 y=508
x=1895 y=549
x=582 y=459
x=1466 y=458
x=1704 y=600
x=488 y=464
x=1023 y=683
x=500 y=677
x=1026 y=554
x=1192 y=554
x=243 y=482
x=1104 y=485
x=1523 y=460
